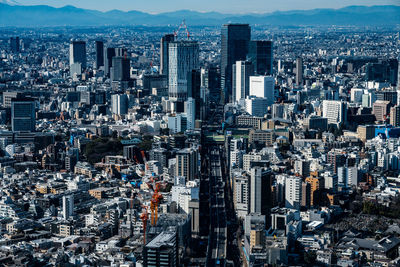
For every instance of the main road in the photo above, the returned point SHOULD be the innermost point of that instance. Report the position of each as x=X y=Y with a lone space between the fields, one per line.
x=217 y=241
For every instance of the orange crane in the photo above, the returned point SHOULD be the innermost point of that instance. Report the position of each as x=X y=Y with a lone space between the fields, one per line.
x=155 y=202
x=144 y=217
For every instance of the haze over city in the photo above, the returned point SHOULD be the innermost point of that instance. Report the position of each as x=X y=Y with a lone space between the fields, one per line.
x=224 y=6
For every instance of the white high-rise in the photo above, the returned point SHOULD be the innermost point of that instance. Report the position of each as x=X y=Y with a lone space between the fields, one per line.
x=68 y=206
x=263 y=86
x=293 y=192
x=183 y=58
x=190 y=109
x=334 y=111
x=241 y=72
x=119 y=104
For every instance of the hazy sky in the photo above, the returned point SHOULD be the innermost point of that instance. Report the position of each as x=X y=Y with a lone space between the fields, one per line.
x=226 y=6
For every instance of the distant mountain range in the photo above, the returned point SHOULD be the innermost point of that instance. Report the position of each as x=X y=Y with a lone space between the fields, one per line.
x=42 y=16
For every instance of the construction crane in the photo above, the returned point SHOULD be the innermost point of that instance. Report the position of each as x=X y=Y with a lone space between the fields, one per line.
x=155 y=202
x=183 y=25
x=144 y=217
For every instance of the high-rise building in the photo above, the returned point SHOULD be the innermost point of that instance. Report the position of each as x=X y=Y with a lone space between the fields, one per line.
x=119 y=104
x=164 y=52
x=305 y=194
x=299 y=71
x=381 y=109
x=67 y=206
x=293 y=192
x=194 y=91
x=190 y=109
x=183 y=58
x=241 y=72
x=121 y=67
x=241 y=195
x=99 y=54
x=77 y=53
x=334 y=111
x=260 y=190
x=211 y=80
x=395 y=116
x=235 y=40
x=263 y=86
x=23 y=114
x=256 y=106
x=187 y=163
x=261 y=56
x=163 y=250
x=109 y=53
x=15 y=45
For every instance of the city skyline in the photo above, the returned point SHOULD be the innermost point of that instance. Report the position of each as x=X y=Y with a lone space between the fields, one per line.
x=223 y=6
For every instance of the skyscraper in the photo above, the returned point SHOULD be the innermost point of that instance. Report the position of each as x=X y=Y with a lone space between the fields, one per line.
x=334 y=111
x=293 y=192
x=193 y=89
x=119 y=104
x=395 y=116
x=23 y=114
x=190 y=109
x=77 y=53
x=299 y=71
x=235 y=40
x=121 y=69
x=68 y=206
x=109 y=53
x=187 y=163
x=15 y=44
x=183 y=58
x=260 y=190
x=261 y=56
x=164 y=52
x=241 y=72
x=163 y=250
x=211 y=80
x=263 y=86
x=99 y=54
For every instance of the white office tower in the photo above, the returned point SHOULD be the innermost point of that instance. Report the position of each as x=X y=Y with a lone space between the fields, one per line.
x=263 y=86
x=119 y=104
x=183 y=58
x=241 y=194
x=190 y=109
x=256 y=106
x=330 y=181
x=68 y=206
x=241 y=72
x=334 y=111
x=177 y=123
x=293 y=192
x=347 y=176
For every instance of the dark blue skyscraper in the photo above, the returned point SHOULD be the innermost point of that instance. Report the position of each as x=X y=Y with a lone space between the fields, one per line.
x=99 y=54
x=23 y=114
x=77 y=53
x=121 y=68
x=14 y=44
x=261 y=56
x=235 y=40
